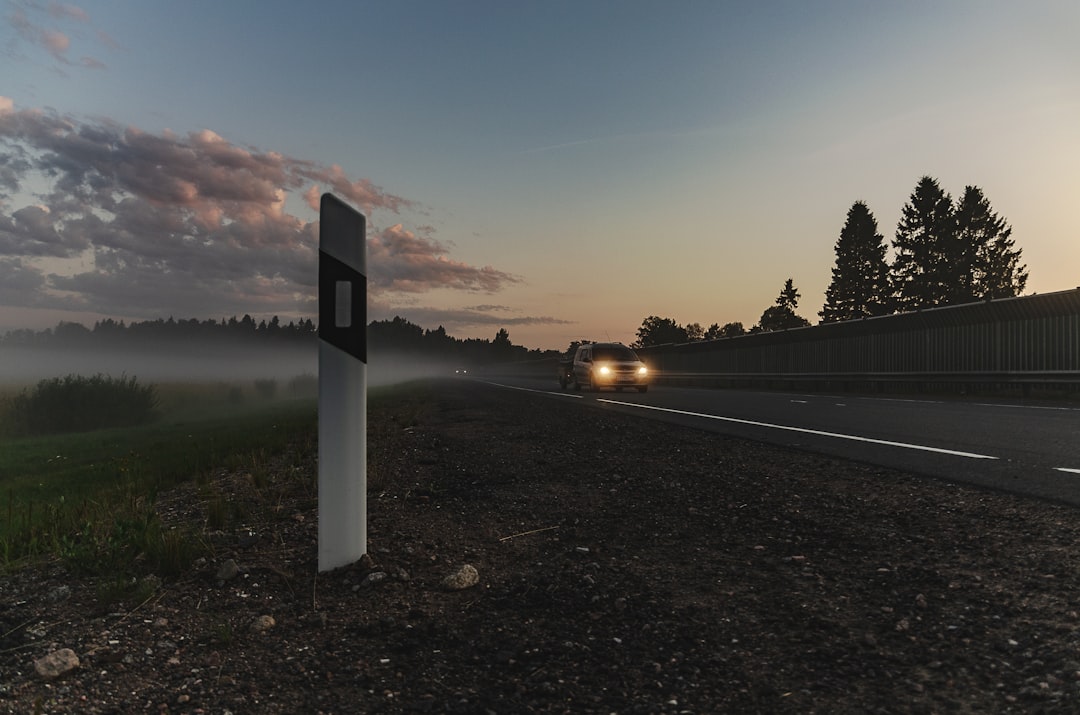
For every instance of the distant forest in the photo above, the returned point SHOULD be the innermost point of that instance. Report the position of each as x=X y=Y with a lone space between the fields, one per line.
x=397 y=336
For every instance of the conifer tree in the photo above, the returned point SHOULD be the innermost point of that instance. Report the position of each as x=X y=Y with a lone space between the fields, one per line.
x=989 y=265
x=860 y=284
x=781 y=315
x=926 y=249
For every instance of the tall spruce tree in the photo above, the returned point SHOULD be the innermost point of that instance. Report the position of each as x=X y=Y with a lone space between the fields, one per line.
x=926 y=249
x=860 y=284
x=989 y=265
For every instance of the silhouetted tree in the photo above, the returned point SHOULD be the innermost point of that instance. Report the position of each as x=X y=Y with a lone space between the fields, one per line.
x=732 y=330
x=658 y=331
x=694 y=332
x=860 y=284
x=989 y=262
x=781 y=316
x=926 y=249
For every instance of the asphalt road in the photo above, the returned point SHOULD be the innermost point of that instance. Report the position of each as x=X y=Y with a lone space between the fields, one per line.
x=1024 y=448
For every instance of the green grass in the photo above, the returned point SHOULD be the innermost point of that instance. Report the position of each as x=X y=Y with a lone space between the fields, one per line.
x=88 y=498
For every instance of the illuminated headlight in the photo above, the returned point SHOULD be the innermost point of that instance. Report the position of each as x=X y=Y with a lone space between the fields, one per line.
x=642 y=371
x=605 y=370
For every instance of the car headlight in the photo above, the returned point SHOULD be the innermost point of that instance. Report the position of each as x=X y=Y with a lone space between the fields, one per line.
x=605 y=370
x=643 y=371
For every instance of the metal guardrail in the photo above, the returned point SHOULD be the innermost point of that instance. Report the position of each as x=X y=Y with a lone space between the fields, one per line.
x=1030 y=341
x=1026 y=340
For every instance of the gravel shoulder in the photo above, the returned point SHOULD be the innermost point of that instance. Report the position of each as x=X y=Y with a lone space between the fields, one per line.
x=622 y=566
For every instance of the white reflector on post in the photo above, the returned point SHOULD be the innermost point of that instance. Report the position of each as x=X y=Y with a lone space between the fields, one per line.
x=342 y=384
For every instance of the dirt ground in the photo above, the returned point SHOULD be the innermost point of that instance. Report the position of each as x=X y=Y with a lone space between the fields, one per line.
x=623 y=566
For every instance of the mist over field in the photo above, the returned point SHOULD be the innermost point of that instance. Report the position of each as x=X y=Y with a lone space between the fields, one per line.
x=198 y=362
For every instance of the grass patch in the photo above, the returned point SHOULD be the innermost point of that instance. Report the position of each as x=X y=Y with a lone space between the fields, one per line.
x=80 y=404
x=88 y=498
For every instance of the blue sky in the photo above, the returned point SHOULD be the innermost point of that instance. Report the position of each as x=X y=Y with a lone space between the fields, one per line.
x=560 y=169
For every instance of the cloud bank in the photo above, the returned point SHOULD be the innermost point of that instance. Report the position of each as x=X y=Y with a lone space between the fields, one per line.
x=103 y=218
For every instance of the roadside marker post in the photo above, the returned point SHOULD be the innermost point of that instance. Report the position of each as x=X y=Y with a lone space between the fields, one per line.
x=342 y=384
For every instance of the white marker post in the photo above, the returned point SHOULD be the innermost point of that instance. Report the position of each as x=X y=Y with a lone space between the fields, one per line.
x=342 y=384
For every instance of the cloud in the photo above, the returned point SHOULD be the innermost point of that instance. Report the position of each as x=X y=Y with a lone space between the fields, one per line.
x=456 y=320
x=129 y=223
x=409 y=263
x=19 y=281
x=52 y=39
x=61 y=11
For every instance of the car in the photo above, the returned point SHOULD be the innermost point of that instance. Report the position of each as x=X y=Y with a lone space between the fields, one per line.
x=600 y=365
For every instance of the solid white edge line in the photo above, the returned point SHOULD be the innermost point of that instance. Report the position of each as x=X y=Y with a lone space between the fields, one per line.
x=529 y=389
x=803 y=430
x=1026 y=407
x=1067 y=469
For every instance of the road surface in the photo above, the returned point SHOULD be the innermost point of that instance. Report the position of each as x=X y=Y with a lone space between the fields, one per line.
x=1024 y=448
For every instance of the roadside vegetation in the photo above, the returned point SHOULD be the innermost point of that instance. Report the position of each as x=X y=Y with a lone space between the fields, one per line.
x=82 y=460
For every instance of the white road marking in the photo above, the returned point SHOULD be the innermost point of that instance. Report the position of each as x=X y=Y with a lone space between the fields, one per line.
x=1028 y=407
x=854 y=438
x=799 y=402
x=1067 y=469
x=529 y=389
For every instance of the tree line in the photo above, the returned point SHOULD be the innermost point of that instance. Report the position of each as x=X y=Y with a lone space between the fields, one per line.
x=109 y=332
x=945 y=252
x=397 y=336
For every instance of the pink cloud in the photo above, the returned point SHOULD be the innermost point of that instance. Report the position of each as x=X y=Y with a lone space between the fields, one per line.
x=53 y=39
x=402 y=261
x=56 y=42
x=168 y=220
x=61 y=11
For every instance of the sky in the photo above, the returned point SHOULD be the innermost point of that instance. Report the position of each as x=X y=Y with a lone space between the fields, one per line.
x=561 y=170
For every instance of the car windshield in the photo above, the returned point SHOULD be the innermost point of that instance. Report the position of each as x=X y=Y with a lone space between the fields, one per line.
x=614 y=353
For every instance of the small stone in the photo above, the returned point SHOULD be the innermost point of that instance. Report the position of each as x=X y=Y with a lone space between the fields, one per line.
x=464 y=577
x=57 y=663
x=262 y=624
x=228 y=571
x=373 y=578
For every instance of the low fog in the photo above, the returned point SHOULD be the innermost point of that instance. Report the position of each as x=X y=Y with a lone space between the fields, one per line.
x=194 y=362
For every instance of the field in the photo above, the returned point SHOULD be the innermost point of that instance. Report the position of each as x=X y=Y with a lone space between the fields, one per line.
x=68 y=494
x=621 y=566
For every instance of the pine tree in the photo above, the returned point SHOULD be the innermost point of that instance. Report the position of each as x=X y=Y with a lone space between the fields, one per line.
x=926 y=249
x=860 y=279
x=781 y=316
x=989 y=264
